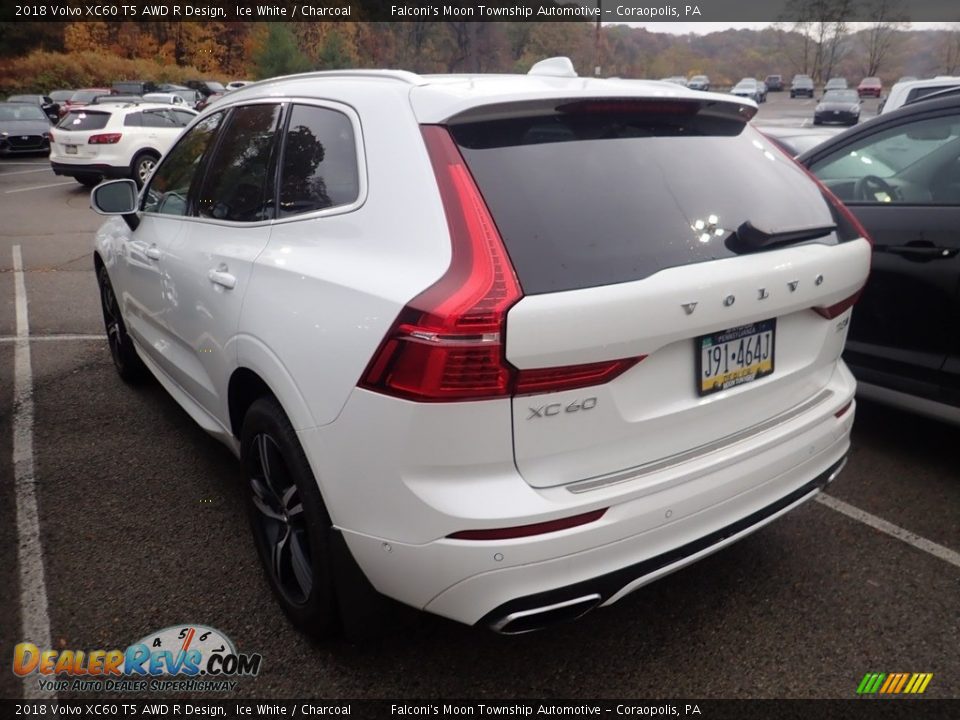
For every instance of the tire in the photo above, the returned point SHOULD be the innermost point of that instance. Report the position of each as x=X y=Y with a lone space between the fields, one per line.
x=128 y=364
x=290 y=524
x=88 y=180
x=142 y=165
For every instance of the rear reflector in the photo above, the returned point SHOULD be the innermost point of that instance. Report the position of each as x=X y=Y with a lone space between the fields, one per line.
x=519 y=531
x=104 y=139
x=843 y=411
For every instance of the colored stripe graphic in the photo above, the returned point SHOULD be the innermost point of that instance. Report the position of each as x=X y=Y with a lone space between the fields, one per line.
x=894 y=683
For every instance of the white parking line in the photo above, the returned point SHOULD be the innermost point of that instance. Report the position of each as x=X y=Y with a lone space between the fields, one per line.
x=34 y=617
x=8 y=162
x=912 y=539
x=53 y=338
x=24 y=172
x=37 y=187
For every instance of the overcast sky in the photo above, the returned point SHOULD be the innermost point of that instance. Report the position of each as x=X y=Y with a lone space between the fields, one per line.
x=682 y=28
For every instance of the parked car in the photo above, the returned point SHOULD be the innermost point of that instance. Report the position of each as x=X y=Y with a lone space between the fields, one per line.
x=699 y=82
x=50 y=108
x=61 y=96
x=542 y=447
x=912 y=90
x=237 y=84
x=774 y=83
x=24 y=128
x=802 y=86
x=134 y=87
x=207 y=99
x=838 y=106
x=190 y=96
x=837 y=83
x=167 y=98
x=750 y=88
x=870 y=87
x=84 y=97
x=899 y=174
x=206 y=87
x=115 y=140
x=676 y=80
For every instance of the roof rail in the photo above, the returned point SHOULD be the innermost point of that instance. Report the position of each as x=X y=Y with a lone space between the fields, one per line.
x=554 y=67
x=403 y=76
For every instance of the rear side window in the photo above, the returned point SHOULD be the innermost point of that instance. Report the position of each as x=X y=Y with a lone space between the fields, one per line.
x=239 y=181
x=170 y=184
x=584 y=199
x=158 y=119
x=183 y=118
x=319 y=168
x=84 y=120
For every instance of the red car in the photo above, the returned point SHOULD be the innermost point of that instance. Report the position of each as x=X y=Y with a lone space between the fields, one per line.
x=870 y=87
x=83 y=97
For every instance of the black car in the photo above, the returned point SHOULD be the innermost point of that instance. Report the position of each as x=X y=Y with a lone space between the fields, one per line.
x=802 y=86
x=838 y=106
x=24 y=128
x=206 y=87
x=774 y=83
x=899 y=174
x=50 y=108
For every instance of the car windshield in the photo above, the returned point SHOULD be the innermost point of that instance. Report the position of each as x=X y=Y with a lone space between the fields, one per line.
x=836 y=83
x=870 y=81
x=22 y=98
x=21 y=112
x=747 y=83
x=840 y=96
x=214 y=86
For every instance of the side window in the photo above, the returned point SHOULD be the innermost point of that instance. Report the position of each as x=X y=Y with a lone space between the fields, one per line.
x=238 y=184
x=907 y=164
x=159 y=119
x=170 y=183
x=319 y=161
x=133 y=120
x=183 y=117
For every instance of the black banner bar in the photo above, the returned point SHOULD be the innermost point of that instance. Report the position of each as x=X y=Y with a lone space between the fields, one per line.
x=607 y=11
x=868 y=709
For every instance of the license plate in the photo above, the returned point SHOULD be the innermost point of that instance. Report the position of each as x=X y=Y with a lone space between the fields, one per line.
x=71 y=149
x=736 y=356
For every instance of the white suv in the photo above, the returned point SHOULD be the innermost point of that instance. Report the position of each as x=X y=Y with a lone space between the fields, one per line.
x=505 y=348
x=115 y=140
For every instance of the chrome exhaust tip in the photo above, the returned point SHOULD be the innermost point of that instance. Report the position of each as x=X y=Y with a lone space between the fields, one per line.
x=524 y=621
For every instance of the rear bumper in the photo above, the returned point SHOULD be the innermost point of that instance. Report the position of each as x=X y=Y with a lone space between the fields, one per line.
x=653 y=525
x=80 y=169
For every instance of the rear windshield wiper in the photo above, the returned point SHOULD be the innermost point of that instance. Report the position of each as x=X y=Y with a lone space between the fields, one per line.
x=748 y=238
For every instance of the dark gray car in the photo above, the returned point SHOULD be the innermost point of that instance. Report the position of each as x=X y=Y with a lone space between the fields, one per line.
x=24 y=128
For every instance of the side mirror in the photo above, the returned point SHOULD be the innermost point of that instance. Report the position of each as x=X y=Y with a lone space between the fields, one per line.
x=117 y=197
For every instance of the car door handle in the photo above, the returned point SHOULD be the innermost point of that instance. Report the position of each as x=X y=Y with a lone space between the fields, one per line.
x=922 y=252
x=152 y=252
x=223 y=278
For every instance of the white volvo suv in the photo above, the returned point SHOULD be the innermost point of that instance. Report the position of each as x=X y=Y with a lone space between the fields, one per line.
x=503 y=348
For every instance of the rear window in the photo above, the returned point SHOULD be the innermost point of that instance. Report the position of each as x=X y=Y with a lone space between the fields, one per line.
x=589 y=199
x=84 y=120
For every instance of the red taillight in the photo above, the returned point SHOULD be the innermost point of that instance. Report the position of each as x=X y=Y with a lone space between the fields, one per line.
x=837 y=309
x=519 y=531
x=448 y=343
x=542 y=380
x=104 y=139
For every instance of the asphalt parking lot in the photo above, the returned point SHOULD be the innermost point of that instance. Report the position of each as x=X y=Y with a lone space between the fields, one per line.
x=141 y=526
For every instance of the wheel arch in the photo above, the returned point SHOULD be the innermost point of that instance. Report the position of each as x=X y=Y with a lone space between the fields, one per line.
x=259 y=372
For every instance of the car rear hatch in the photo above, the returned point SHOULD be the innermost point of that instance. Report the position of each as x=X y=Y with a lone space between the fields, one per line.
x=683 y=280
x=81 y=134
